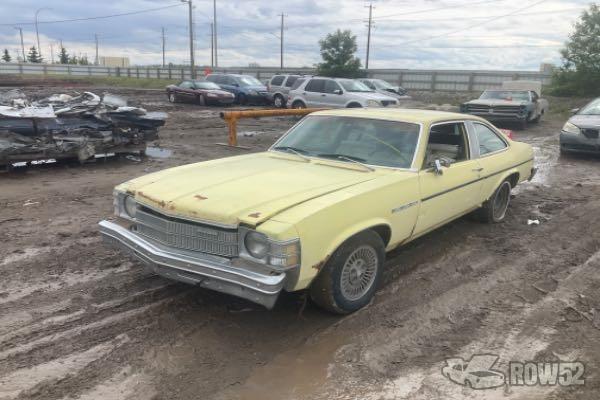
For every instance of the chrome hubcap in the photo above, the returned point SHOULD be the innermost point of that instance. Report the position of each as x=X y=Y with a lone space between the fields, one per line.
x=278 y=101
x=501 y=201
x=358 y=273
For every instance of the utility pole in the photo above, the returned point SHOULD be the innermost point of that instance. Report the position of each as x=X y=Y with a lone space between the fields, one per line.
x=52 y=52
x=369 y=35
x=22 y=45
x=96 y=60
x=37 y=32
x=163 y=45
x=281 y=42
x=212 y=46
x=191 y=26
x=215 y=31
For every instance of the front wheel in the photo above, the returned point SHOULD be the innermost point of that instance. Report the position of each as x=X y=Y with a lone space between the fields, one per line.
x=172 y=98
x=201 y=100
x=242 y=99
x=298 y=104
x=351 y=276
x=278 y=101
x=494 y=209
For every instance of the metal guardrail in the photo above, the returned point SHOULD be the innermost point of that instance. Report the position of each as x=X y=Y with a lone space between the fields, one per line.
x=423 y=80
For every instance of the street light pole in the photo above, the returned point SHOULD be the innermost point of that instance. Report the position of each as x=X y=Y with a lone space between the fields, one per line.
x=22 y=45
x=215 y=31
x=37 y=32
x=191 y=23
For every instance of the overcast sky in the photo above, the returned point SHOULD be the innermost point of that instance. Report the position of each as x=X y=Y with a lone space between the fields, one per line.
x=452 y=34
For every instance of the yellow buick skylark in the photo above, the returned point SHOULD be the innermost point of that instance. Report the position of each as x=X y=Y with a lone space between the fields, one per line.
x=319 y=209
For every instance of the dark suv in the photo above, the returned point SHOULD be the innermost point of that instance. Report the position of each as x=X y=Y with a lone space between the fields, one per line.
x=247 y=89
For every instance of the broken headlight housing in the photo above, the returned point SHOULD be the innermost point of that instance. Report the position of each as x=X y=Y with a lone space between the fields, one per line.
x=258 y=247
x=373 y=103
x=571 y=128
x=125 y=205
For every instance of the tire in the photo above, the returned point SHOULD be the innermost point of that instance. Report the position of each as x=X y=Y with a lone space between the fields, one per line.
x=354 y=105
x=242 y=99
x=298 y=104
x=494 y=209
x=172 y=98
x=523 y=124
x=201 y=100
x=350 y=278
x=278 y=101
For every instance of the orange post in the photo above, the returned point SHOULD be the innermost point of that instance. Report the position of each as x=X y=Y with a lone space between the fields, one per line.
x=231 y=117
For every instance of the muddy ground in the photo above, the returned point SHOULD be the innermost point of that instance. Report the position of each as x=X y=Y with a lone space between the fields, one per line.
x=77 y=321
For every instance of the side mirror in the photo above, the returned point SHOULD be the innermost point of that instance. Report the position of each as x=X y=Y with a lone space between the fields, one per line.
x=337 y=91
x=574 y=110
x=438 y=164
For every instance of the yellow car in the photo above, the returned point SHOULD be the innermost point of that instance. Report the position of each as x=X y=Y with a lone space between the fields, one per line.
x=319 y=209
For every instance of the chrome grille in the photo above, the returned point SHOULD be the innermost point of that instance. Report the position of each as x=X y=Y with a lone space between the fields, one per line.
x=481 y=108
x=187 y=235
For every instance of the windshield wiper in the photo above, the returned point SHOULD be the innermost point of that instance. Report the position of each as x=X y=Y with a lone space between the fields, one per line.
x=293 y=150
x=352 y=159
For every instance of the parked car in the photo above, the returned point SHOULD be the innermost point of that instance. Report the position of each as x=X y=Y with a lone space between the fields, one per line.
x=279 y=86
x=517 y=101
x=336 y=92
x=247 y=89
x=363 y=182
x=384 y=87
x=581 y=132
x=201 y=92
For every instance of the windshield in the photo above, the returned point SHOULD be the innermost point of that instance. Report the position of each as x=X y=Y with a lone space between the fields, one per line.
x=249 y=81
x=509 y=95
x=368 y=141
x=206 y=85
x=592 y=108
x=381 y=84
x=353 y=86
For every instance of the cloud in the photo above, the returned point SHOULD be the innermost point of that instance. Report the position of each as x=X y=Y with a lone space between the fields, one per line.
x=466 y=34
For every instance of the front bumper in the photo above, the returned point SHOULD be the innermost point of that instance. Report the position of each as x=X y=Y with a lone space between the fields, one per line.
x=578 y=143
x=207 y=271
x=494 y=117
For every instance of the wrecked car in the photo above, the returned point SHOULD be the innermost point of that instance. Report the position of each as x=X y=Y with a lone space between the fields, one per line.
x=581 y=133
x=72 y=127
x=517 y=102
x=384 y=87
x=319 y=209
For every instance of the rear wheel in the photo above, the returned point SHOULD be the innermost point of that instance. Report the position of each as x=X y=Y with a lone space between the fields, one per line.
x=494 y=209
x=172 y=98
x=278 y=101
x=354 y=105
x=351 y=276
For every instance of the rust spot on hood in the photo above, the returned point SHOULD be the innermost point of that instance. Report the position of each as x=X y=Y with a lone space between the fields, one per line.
x=254 y=215
x=200 y=197
x=145 y=196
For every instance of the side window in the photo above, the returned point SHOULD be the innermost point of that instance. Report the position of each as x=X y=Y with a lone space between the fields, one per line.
x=447 y=141
x=212 y=78
x=369 y=84
x=186 y=85
x=277 y=80
x=489 y=141
x=331 y=86
x=297 y=84
x=315 y=85
x=290 y=80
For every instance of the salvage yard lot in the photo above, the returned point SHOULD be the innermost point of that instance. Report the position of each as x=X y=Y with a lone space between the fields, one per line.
x=79 y=321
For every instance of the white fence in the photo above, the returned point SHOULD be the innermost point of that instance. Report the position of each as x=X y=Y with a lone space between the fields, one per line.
x=426 y=80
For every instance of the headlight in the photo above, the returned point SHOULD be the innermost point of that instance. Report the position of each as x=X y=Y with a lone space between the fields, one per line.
x=262 y=249
x=253 y=92
x=130 y=206
x=373 y=103
x=211 y=95
x=256 y=244
x=571 y=128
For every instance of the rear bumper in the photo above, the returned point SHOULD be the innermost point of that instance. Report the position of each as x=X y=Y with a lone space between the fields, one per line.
x=210 y=272
x=579 y=143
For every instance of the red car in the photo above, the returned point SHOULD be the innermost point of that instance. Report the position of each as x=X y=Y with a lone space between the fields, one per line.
x=200 y=92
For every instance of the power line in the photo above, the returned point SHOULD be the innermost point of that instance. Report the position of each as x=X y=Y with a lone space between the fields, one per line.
x=92 y=18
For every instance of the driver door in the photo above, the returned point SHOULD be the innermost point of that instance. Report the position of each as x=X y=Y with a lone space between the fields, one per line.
x=455 y=189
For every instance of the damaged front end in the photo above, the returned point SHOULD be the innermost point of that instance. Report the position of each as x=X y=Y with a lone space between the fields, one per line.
x=72 y=127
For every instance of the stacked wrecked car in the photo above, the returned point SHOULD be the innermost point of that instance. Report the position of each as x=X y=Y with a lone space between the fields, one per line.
x=76 y=127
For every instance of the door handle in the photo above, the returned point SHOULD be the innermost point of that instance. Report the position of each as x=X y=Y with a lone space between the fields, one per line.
x=477 y=169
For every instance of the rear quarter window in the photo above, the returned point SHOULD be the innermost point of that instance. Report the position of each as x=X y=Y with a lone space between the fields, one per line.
x=297 y=84
x=290 y=80
x=489 y=141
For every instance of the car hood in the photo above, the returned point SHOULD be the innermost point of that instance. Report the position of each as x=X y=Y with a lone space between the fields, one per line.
x=394 y=95
x=586 y=121
x=257 y=88
x=219 y=92
x=497 y=102
x=245 y=189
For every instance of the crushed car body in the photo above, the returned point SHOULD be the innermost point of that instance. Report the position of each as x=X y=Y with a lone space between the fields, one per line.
x=78 y=127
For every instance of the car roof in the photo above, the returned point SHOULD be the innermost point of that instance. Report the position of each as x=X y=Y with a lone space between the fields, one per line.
x=399 y=114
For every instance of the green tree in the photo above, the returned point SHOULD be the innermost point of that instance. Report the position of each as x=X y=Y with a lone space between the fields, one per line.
x=34 y=56
x=63 y=56
x=337 y=51
x=6 y=56
x=580 y=72
x=73 y=59
x=84 y=60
